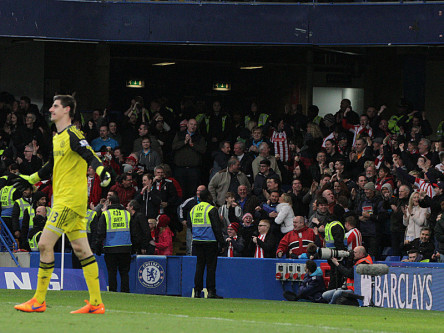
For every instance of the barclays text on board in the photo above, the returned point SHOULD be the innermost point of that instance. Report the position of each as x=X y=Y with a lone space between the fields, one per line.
x=405 y=288
x=389 y=291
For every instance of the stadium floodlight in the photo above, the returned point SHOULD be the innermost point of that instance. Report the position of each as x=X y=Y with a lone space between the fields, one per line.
x=164 y=64
x=251 y=67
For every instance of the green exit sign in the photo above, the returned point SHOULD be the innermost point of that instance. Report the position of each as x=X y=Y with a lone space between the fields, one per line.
x=135 y=84
x=222 y=86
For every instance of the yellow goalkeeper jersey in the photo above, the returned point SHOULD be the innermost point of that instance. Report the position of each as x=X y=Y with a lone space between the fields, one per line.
x=71 y=155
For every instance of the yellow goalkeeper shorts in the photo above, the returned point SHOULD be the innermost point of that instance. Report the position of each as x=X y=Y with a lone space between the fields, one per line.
x=64 y=220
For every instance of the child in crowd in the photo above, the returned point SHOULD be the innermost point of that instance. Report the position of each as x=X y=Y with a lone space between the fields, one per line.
x=163 y=236
x=230 y=211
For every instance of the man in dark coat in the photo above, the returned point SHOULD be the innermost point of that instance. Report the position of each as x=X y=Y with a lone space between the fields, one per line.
x=263 y=243
x=142 y=234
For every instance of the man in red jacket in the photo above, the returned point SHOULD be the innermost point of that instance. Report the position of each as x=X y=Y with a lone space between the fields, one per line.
x=125 y=190
x=295 y=242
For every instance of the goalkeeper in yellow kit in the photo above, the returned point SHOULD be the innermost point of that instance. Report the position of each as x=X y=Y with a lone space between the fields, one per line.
x=71 y=155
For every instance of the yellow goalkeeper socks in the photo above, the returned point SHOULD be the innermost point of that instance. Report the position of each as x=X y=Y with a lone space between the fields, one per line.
x=43 y=279
x=91 y=274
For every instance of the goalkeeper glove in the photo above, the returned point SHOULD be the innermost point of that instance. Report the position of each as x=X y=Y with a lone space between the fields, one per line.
x=104 y=175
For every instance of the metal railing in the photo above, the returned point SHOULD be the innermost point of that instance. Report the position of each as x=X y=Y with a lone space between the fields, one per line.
x=7 y=241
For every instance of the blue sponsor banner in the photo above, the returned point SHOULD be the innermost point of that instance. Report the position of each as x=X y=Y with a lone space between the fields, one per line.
x=405 y=288
x=26 y=278
x=151 y=275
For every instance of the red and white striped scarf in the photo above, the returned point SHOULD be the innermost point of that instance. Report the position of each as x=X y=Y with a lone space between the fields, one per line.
x=358 y=131
x=328 y=137
x=230 y=249
x=378 y=161
x=259 y=253
x=280 y=141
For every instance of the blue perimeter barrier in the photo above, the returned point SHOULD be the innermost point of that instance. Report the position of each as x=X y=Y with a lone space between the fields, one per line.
x=407 y=285
x=26 y=279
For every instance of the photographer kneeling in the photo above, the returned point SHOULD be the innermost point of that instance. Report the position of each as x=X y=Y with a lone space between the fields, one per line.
x=360 y=257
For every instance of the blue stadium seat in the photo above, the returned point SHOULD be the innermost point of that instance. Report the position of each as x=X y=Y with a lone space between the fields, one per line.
x=392 y=258
x=388 y=251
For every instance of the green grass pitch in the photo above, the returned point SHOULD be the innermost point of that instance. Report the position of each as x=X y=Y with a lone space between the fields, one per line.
x=144 y=313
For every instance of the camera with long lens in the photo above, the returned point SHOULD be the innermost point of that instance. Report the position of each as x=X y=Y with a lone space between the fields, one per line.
x=326 y=253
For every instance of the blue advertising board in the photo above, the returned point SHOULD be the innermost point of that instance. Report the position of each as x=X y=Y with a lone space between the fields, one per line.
x=151 y=275
x=407 y=285
x=26 y=278
x=405 y=288
x=242 y=277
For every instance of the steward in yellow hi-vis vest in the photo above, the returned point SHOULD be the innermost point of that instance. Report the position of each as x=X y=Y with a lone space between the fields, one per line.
x=114 y=234
x=36 y=231
x=334 y=238
x=68 y=162
x=20 y=205
x=18 y=211
x=334 y=234
x=208 y=242
x=38 y=199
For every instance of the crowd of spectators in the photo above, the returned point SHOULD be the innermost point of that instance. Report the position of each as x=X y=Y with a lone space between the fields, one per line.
x=277 y=178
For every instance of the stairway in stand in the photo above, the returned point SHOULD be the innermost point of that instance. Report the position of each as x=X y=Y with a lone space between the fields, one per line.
x=180 y=244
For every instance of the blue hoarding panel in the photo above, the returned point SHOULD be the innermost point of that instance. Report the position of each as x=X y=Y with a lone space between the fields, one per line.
x=174 y=275
x=26 y=278
x=103 y=272
x=405 y=288
x=242 y=278
x=407 y=285
x=188 y=269
x=151 y=275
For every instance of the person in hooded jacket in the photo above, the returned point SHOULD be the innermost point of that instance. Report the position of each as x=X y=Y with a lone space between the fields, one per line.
x=164 y=236
x=312 y=287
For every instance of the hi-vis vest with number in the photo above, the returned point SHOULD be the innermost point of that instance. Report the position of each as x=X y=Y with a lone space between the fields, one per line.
x=351 y=282
x=117 y=228
x=201 y=224
x=6 y=195
x=23 y=204
x=90 y=215
x=33 y=244
x=329 y=240
x=31 y=212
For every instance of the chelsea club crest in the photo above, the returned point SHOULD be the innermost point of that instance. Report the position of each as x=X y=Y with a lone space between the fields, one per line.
x=151 y=274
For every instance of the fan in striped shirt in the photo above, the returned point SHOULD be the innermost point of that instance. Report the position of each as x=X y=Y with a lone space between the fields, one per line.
x=353 y=236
